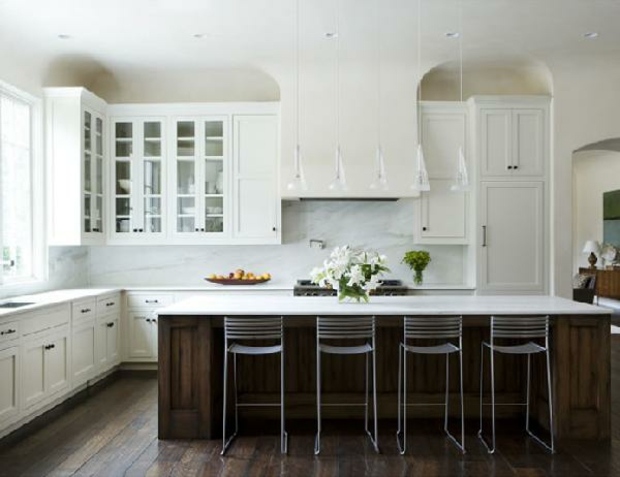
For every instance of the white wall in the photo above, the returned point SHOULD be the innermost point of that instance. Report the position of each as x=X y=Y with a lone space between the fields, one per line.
x=594 y=172
x=385 y=226
x=586 y=109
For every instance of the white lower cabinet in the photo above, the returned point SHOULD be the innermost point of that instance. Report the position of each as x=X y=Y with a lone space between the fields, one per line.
x=46 y=366
x=83 y=341
x=142 y=337
x=108 y=342
x=10 y=384
x=141 y=324
x=511 y=249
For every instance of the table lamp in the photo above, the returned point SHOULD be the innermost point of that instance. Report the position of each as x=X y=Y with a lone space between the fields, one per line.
x=592 y=247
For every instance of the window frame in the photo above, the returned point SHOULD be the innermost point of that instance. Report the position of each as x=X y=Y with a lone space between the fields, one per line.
x=37 y=180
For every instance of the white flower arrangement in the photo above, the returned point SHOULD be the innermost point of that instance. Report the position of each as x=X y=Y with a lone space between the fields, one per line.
x=353 y=272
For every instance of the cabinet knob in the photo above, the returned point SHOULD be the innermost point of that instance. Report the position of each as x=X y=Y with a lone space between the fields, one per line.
x=110 y=325
x=202 y=230
x=424 y=229
x=151 y=301
x=196 y=229
x=273 y=229
x=509 y=167
x=135 y=230
x=515 y=167
x=110 y=303
x=84 y=310
x=140 y=230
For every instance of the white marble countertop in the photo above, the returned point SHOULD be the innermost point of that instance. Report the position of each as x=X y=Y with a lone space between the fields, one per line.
x=389 y=305
x=40 y=300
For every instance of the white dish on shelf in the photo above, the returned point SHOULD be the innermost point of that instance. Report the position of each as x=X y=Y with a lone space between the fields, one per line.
x=189 y=210
x=125 y=185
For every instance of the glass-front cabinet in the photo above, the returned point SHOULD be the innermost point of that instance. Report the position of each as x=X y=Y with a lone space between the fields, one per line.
x=92 y=167
x=75 y=128
x=200 y=176
x=138 y=174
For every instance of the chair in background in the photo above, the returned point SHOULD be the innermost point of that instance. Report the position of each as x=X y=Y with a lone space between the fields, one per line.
x=584 y=287
x=347 y=328
x=528 y=328
x=243 y=329
x=449 y=331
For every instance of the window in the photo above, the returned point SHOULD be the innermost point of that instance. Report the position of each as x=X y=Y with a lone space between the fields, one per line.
x=19 y=237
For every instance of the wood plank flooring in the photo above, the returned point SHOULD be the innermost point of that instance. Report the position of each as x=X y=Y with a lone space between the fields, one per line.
x=114 y=433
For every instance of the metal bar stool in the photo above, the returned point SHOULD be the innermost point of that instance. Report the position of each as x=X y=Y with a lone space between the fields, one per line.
x=517 y=327
x=418 y=328
x=344 y=328
x=252 y=328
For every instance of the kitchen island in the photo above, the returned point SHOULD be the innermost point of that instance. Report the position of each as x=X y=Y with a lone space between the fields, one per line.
x=191 y=353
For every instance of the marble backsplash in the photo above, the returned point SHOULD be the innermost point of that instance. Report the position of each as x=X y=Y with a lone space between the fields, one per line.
x=384 y=226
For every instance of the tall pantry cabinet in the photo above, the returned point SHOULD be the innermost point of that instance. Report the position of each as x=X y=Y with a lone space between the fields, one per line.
x=512 y=147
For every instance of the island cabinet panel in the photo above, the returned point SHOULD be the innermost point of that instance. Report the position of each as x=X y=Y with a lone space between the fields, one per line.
x=190 y=379
x=185 y=367
x=583 y=378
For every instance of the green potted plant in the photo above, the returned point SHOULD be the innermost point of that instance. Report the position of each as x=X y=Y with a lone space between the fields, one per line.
x=417 y=261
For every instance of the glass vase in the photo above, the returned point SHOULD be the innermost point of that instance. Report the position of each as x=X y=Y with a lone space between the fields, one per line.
x=417 y=277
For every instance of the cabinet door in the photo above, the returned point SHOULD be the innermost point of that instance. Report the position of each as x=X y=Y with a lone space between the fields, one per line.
x=528 y=143
x=441 y=217
x=10 y=379
x=495 y=142
x=140 y=335
x=255 y=151
x=201 y=177
x=108 y=341
x=443 y=133
x=138 y=175
x=57 y=364
x=92 y=169
x=83 y=352
x=33 y=371
x=512 y=242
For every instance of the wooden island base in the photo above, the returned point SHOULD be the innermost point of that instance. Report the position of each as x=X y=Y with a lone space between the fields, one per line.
x=190 y=376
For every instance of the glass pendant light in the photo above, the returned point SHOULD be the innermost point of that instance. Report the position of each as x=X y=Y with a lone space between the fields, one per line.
x=379 y=181
x=339 y=183
x=299 y=181
x=420 y=181
x=461 y=184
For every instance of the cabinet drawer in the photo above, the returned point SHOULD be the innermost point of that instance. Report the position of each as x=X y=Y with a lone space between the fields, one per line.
x=43 y=320
x=148 y=300
x=83 y=310
x=108 y=304
x=9 y=331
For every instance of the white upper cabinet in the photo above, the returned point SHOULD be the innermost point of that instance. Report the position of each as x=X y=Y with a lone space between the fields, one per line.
x=256 y=205
x=200 y=191
x=200 y=173
x=75 y=137
x=512 y=137
x=444 y=131
x=138 y=179
x=441 y=215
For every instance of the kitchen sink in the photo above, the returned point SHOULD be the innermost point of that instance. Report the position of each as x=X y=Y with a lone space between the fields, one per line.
x=15 y=304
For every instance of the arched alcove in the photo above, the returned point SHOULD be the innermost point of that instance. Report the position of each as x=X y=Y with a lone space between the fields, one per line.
x=442 y=82
x=596 y=170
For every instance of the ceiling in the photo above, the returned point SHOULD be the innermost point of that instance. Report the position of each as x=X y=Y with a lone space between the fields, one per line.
x=163 y=35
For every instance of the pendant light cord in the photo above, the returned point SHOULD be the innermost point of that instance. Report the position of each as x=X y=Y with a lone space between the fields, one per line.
x=378 y=75
x=338 y=75
x=419 y=106
x=461 y=47
x=297 y=67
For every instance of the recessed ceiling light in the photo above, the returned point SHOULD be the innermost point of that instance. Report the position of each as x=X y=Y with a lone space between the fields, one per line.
x=331 y=34
x=453 y=34
x=591 y=35
x=199 y=35
x=64 y=36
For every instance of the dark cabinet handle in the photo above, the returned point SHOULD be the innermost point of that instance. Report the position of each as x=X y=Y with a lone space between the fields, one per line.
x=140 y=230
x=110 y=303
x=153 y=320
x=484 y=235
x=50 y=346
x=424 y=229
x=8 y=332
x=135 y=230
x=96 y=230
x=202 y=230
x=196 y=229
x=151 y=301
x=273 y=229
x=148 y=320
x=509 y=167
x=110 y=325
x=515 y=167
x=84 y=310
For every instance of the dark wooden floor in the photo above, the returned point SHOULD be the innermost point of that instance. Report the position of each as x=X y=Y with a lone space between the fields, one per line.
x=114 y=433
